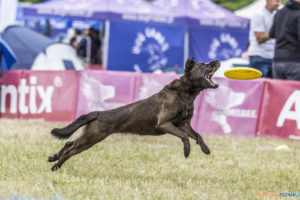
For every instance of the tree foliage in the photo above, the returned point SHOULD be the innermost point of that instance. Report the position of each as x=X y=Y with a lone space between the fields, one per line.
x=233 y=4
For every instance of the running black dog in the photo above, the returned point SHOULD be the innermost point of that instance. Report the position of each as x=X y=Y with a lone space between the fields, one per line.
x=168 y=111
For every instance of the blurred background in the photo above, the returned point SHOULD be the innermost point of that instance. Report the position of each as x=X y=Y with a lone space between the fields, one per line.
x=141 y=36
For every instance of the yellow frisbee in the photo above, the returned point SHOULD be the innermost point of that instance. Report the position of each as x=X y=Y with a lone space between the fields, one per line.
x=242 y=73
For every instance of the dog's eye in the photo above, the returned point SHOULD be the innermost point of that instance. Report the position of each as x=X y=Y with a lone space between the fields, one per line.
x=202 y=65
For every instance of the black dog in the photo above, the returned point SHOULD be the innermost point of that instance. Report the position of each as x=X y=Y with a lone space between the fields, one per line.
x=168 y=111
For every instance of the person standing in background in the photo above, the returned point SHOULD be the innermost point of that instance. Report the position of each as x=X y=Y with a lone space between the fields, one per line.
x=286 y=31
x=261 y=51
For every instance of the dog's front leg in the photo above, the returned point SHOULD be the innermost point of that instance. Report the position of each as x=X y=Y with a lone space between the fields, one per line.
x=196 y=136
x=168 y=127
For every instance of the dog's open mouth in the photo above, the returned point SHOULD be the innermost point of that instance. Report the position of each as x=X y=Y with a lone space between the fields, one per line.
x=208 y=76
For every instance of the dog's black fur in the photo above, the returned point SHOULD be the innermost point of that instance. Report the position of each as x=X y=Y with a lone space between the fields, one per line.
x=168 y=111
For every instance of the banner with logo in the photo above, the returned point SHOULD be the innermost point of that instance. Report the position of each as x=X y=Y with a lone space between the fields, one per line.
x=144 y=48
x=49 y=96
x=104 y=90
x=280 y=114
x=206 y=44
x=148 y=84
x=59 y=26
x=231 y=109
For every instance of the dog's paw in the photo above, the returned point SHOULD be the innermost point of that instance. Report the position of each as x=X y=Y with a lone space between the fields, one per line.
x=187 y=151
x=205 y=149
x=55 y=167
x=53 y=158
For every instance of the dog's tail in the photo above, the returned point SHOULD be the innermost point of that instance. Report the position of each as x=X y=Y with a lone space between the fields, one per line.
x=66 y=132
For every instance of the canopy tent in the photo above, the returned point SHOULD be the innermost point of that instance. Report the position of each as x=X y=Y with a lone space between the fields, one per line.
x=182 y=12
x=25 y=46
x=191 y=15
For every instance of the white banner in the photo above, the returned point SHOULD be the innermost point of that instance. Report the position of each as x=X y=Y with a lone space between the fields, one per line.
x=8 y=12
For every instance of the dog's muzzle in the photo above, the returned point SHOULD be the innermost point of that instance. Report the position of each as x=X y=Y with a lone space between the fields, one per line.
x=214 y=66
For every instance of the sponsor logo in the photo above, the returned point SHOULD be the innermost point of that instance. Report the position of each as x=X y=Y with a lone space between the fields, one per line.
x=17 y=97
x=290 y=110
x=224 y=109
x=224 y=47
x=152 y=44
x=98 y=94
x=149 y=87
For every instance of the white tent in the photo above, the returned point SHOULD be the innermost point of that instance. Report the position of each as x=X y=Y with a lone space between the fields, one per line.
x=8 y=12
x=58 y=56
x=251 y=9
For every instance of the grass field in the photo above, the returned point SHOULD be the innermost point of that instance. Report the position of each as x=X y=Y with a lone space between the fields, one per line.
x=134 y=167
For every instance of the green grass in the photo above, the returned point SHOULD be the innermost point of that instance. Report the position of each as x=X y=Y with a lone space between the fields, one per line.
x=135 y=167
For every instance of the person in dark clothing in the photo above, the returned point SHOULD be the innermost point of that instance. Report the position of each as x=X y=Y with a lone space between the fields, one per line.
x=286 y=31
x=95 y=47
x=89 y=46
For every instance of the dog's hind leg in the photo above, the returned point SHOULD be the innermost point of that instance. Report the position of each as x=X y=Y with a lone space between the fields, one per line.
x=196 y=136
x=76 y=148
x=168 y=127
x=56 y=156
x=90 y=136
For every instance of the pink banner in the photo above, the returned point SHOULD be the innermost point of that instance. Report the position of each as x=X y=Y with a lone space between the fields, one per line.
x=280 y=114
x=49 y=96
x=9 y=94
x=231 y=109
x=149 y=84
x=104 y=90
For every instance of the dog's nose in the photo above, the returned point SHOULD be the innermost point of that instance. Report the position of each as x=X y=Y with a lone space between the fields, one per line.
x=215 y=62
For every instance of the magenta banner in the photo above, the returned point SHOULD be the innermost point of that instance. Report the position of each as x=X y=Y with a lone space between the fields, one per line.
x=10 y=105
x=104 y=90
x=231 y=109
x=280 y=116
x=149 y=84
x=49 y=96
x=263 y=107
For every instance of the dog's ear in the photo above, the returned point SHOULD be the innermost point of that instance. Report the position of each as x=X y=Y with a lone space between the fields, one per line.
x=189 y=65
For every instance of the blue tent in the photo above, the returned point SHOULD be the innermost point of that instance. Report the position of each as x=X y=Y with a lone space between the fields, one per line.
x=24 y=46
x=8 y=57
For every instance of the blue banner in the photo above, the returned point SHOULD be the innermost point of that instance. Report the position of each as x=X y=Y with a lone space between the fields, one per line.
x=59 y=26
x=145 y=48
x=209 y=44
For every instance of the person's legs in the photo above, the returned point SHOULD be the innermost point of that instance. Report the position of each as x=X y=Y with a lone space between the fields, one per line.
x=292 y=71
x=262 y=64
x=278 y=70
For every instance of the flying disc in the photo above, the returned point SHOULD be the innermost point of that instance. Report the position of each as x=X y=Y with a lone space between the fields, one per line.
x=242 y=73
